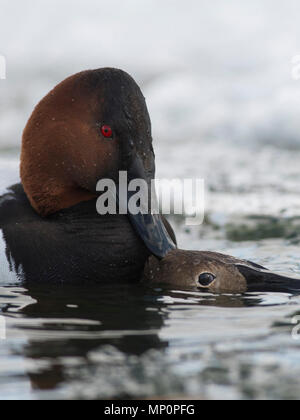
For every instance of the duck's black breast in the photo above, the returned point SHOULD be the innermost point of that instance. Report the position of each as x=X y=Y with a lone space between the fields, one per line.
x=75 y=245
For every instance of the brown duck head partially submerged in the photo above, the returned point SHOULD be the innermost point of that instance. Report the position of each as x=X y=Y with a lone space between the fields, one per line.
x=216 y=273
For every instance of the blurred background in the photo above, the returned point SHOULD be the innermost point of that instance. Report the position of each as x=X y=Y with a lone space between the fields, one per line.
x=224 y=99
x=218 y=82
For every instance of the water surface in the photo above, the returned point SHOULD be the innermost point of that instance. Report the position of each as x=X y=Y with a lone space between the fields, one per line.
x=132 y=341
x=224 y=107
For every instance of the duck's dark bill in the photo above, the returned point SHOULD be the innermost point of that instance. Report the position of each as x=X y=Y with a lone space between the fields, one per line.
x=151 y=229
x=262 y=280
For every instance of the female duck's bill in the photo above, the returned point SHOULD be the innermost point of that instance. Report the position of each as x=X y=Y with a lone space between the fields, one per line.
x=260 y=279
x=216 y=273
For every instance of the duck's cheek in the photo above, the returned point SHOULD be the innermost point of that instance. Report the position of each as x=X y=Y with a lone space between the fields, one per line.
x=216 y=286
x=228 y=284
x=99 y=163
x=107 y=162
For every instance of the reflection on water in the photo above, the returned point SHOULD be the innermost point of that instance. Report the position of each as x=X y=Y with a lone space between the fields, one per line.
x=130 y=341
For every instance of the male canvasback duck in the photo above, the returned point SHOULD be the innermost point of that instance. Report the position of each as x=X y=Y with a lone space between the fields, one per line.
x=216 y=273
x=89 y=127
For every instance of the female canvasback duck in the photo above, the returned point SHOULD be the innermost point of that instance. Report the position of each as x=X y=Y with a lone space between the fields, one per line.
x=89 y=127
x=216 y=273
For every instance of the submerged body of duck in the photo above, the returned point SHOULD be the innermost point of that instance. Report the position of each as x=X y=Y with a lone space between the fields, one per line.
x=72 y=245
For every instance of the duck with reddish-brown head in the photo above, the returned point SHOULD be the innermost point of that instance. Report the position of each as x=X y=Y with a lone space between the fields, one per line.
x=90 y=127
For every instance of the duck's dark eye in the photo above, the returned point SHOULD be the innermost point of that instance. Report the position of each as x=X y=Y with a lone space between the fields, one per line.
x=107 y=131
x=205 y=279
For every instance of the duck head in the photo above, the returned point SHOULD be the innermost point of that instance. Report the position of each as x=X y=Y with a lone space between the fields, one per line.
x=216 y=273
x=89 y=127
x=195 y=269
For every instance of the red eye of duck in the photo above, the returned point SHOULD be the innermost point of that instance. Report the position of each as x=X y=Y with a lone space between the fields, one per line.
x=107 y=131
